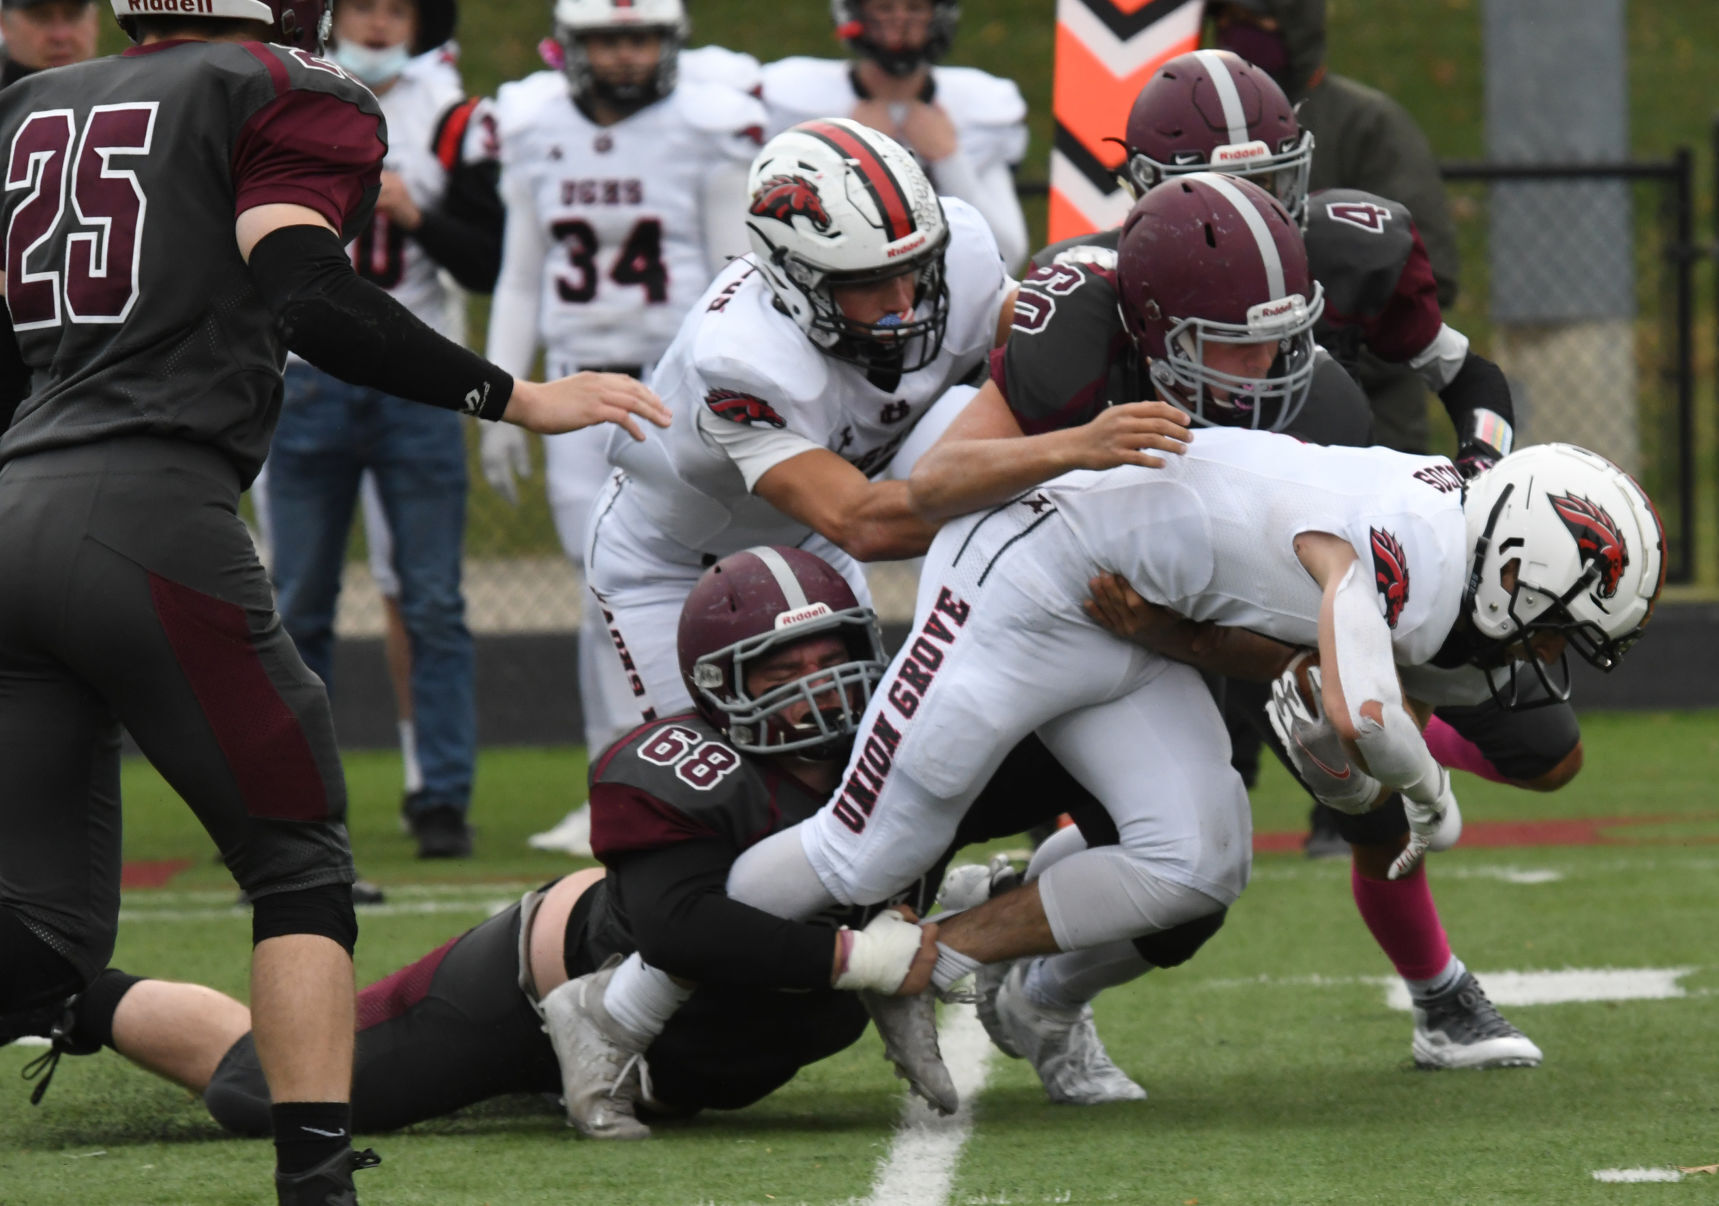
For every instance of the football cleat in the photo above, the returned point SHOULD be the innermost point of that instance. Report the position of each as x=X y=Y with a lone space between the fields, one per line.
x=908 y=1027
x=570 y=835
x=327 y=1184
x=601 y=1064
x=1062 y=1045
x=1461 y=1028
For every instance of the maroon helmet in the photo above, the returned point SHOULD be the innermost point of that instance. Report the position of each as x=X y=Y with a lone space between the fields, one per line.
x=302 y=24
x=1210 y=110
x=1208 y=259
x=754 y=602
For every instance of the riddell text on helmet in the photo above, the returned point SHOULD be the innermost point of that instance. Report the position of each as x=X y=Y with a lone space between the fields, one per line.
x=171 y=6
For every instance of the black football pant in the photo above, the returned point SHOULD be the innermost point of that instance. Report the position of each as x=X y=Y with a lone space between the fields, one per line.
x=454 y=1029
x=130 y=594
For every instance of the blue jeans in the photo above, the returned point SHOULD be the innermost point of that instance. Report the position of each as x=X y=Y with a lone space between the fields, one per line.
x=329 y=433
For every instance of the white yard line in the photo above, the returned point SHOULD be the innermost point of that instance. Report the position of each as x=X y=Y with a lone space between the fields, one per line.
x=1571 y=984
x=1631 y=1176
x=921 y=1163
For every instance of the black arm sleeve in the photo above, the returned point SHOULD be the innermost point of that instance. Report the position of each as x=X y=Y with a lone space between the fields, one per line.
x=686 y=925
x=14 y=373
x=463 y=233
x=352 y=329
x=1478 y=385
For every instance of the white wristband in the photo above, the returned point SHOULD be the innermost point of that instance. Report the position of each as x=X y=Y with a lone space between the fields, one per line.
x=882 y=954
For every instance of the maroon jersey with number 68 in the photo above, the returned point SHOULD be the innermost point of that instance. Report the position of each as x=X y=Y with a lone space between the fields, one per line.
x=124 y=177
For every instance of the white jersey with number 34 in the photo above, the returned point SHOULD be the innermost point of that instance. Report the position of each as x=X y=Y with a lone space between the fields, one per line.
x=620 y=209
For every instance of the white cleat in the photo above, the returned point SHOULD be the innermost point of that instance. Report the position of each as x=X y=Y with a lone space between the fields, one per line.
x=571 y=835
x=602 y=1072
x=987 y=987
x=1062 y=1045
x=908 y=1027
x=1461 y=1028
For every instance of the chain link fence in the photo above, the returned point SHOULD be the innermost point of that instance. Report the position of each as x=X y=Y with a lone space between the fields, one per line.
x=1578 y=280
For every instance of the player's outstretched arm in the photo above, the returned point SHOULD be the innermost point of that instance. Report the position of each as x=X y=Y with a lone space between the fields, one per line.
x=1119 y=609
x=357 y=332
x=871 y=521
x=1364 y=699
x=984 y=458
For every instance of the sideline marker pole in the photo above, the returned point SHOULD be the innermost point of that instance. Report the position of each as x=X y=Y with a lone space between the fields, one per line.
x=1106 y=50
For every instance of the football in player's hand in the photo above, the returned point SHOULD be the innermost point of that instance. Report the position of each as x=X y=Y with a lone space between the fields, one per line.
x=1304 y=661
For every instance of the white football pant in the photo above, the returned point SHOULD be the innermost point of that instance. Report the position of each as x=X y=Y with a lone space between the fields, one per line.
x=1001 y=649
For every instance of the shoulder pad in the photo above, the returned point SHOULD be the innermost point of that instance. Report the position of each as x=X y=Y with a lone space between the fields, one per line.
x=305 y=71
x=1357 y=244
x=978 y=98
x=690 y=780
x=716 y=108
x=1065 y=334
x=437 y=74
x=752 y=349
x=800 y=88
x=719 y=65
x=518 y=103
x=1097 y=249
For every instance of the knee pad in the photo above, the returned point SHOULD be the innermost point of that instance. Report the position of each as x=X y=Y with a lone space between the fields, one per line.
x=35 y=974
x=1177 y=945
x=237 y=1096
x=324 y=910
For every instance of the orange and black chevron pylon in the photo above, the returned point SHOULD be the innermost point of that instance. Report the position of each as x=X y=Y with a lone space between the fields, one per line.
x=1106 y=50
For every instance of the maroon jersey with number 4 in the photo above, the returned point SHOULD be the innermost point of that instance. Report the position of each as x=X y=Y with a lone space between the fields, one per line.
x=124 y=177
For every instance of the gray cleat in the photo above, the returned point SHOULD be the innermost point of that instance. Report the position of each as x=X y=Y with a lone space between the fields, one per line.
x=601 y=1064
x=908 y=1027
x=1461 y=1028
x=1062 y=1045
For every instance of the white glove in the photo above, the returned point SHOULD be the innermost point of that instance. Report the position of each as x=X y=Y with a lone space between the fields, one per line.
x=880 y=956
x=1314 y=746
x=505 y=452
x=1435 y=822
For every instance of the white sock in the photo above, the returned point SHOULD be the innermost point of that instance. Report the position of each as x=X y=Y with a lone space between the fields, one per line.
x=1071 y=979
x=409 y=756
x=952 y=966
x=1420 y=990
x=643 y=999
x=777 y=877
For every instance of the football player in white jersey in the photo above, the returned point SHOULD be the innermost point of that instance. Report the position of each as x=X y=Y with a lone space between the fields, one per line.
x=625 y=186
x=436 y=231
x=966 y=126
x=1375 y=557
x=800 y=384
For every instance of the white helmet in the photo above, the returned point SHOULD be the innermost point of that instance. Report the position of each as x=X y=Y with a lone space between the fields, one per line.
x=837 y=203
x=574 y=19
x=1589 y=549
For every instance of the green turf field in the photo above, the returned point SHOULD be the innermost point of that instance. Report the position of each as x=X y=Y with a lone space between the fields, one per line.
x=1278 y=1070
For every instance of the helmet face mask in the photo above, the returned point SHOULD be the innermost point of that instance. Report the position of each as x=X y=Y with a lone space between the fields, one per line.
x=1564 y=544
x=837 y=204
x=1211 y=111
x=1225 y=399
x=1207 y=260
x=850 y=21
x=755 y=604
x=835 y=697
x=576 y=21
